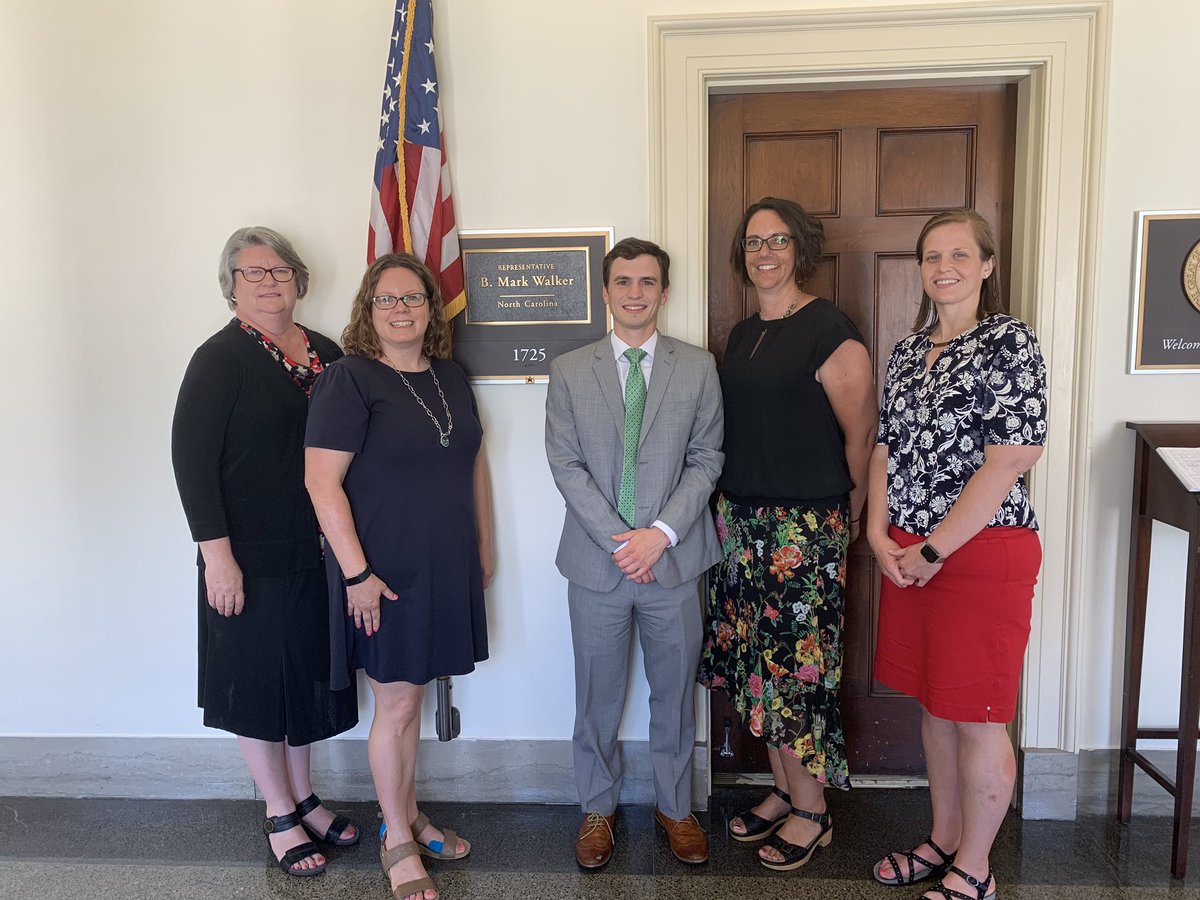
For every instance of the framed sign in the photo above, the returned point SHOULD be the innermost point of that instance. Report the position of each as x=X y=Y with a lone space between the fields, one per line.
x=1165 y=336
x=531 y=296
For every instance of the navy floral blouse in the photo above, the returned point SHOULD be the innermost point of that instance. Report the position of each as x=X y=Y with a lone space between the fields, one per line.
x=988 y=386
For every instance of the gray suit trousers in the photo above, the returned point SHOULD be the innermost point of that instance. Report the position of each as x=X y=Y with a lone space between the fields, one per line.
x=670 y=625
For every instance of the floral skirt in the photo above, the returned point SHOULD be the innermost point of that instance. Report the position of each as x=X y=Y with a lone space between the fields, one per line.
x=773 y=627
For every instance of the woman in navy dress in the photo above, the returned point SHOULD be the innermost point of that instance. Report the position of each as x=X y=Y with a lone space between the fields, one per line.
x=963 y=418
x=397 y=474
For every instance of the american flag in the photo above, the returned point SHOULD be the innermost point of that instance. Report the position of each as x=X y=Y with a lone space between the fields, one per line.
x=411 y=207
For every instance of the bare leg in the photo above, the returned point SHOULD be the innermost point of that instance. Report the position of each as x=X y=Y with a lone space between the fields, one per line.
x=771 y=806
x=299 y=774
x=987 y=771
x=939 y=738
x=392 y=751
x=807 y=794
x=267 y=763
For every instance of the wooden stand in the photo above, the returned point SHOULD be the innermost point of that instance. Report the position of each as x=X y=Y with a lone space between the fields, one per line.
x=1158 y=494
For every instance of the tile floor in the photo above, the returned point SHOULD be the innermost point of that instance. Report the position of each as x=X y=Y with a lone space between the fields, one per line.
x=53 y=848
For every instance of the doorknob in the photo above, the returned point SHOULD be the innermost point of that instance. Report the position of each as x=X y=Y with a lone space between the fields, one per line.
x=726 y=750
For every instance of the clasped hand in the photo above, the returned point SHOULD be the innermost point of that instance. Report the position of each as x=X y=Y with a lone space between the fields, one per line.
x=643 y=548
x=903 y=565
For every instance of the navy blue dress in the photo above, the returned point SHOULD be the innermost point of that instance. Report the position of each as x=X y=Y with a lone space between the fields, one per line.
x=413 y=502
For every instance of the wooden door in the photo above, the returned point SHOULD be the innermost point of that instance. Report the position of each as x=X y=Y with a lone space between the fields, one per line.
x=873 y=165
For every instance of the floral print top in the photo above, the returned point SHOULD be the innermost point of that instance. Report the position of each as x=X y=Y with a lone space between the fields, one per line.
x=304 y=374
x=987 y=386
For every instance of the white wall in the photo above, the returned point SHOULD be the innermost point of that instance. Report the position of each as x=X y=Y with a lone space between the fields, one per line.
x=137 y=135
x=1150 y=164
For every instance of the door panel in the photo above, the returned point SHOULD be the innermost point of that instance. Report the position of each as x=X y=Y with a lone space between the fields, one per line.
x=873 y=165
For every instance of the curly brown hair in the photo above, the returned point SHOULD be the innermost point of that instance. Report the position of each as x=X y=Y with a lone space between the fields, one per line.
x=808 y=237
x=359 y=337
x=990 y=300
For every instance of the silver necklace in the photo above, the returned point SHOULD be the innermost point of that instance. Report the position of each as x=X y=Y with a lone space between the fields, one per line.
x=787 y=312
x=443 y=436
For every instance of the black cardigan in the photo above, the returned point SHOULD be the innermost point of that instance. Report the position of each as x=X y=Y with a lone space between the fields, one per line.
x=237 y=444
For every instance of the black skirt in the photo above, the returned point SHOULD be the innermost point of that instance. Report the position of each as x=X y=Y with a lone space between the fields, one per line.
x=264 y=674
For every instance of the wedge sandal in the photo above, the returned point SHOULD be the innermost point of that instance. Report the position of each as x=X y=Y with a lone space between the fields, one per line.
x=757 y=827
x=797 y=855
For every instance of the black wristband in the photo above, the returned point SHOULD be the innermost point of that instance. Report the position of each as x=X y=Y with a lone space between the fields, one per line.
x=930 y=553
x=359 y=578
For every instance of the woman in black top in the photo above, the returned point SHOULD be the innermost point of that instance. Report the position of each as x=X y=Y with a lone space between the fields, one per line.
x=237 y=446
x=799 y=417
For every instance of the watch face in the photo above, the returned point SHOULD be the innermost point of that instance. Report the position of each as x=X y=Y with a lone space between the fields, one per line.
x=930 y=554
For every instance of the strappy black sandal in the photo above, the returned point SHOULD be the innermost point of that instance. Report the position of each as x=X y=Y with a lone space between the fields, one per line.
x=297 y=854
x=757 y=827
x=336 y=833
x=899 y=878
x=795 y=855
x=981 y=887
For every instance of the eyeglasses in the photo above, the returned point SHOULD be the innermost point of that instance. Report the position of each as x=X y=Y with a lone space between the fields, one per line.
x=257 y=273
x=388 y=301
x=774 y=241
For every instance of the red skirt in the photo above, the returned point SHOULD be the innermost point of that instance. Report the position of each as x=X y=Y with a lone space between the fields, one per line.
x=958 y=643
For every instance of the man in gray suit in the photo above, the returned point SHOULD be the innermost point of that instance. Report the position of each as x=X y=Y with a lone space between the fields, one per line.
x=634 y=426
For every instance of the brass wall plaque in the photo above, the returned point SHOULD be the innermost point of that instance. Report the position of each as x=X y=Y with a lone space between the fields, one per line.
x=531 y=296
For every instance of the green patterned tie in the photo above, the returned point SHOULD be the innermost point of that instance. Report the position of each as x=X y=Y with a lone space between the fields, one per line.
x=635 y=405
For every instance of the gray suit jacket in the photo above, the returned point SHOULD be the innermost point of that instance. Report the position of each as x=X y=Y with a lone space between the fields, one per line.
x=679 y=459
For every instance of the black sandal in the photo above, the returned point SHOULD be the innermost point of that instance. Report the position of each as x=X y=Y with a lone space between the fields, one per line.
x=335 y=834
x=297 y=854
x=899 y=879
x=757 y=827
x=795 y=855
x=981 y=887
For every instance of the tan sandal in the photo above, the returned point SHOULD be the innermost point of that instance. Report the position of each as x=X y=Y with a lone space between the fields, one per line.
x=446 y=848
x=389 y=858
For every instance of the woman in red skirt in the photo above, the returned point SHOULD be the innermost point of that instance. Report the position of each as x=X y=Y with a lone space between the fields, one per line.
x=963 y=418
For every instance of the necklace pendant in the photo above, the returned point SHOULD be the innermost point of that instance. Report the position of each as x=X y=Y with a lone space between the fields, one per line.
x=445 y=440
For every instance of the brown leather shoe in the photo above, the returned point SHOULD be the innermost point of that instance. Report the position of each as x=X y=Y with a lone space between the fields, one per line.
x=688 y=841
x=594 y=845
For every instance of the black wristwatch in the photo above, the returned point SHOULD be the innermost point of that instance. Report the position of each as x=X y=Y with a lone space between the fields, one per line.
x=359 y=578
x=930 y=554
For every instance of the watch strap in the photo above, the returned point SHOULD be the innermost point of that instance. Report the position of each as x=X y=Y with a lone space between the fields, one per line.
x=359 y=578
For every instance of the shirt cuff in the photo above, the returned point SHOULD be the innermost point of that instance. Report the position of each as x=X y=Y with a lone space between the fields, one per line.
x=667 y=530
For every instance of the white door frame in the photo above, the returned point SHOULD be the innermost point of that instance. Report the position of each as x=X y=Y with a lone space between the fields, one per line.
x=1057 y=52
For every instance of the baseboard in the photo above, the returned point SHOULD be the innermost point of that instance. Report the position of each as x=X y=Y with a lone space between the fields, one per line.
x=1052 y=784
x=499 y=771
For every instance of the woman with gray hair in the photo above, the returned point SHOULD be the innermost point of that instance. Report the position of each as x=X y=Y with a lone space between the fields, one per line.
x=238 y=448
